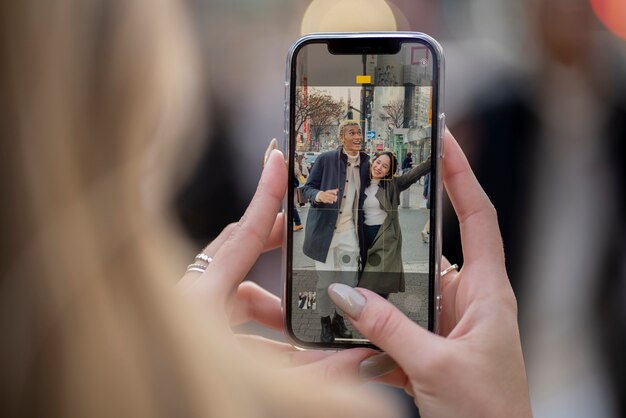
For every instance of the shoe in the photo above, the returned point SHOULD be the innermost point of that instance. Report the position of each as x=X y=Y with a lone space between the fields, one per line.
x=339 y=327
x=327 y=333
x=298 y=227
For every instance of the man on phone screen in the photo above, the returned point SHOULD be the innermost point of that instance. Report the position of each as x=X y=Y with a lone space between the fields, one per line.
x=335 y=189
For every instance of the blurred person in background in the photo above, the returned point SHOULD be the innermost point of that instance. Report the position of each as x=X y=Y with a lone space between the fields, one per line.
x=549 y=146
x=98 y=99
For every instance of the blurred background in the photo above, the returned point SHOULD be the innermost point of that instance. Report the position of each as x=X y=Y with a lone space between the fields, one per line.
x=535 y=94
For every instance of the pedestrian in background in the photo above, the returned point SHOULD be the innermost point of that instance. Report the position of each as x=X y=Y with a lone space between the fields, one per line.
x=407 y=163
x=302 y=165
x=426 y=195
x=297 y=222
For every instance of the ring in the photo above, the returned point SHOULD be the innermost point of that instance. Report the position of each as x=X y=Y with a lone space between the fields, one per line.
x=204 y=257
x=449 y=269
x=200 y=268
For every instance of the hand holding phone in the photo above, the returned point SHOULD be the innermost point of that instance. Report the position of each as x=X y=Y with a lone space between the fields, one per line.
x=480 y=357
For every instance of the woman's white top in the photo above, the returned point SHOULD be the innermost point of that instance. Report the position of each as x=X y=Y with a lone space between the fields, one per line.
x=374 y=214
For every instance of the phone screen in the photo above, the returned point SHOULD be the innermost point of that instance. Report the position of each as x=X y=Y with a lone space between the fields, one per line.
x=363 y=163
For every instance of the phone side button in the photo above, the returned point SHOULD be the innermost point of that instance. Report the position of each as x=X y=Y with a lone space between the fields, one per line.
x=438 y=305
x=442 y=128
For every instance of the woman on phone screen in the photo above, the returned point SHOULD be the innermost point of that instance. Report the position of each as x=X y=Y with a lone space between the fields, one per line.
x=382 y=237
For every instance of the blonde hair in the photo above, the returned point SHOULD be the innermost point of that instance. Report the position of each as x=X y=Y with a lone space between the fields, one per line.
x=96 y=95
x=344 y=124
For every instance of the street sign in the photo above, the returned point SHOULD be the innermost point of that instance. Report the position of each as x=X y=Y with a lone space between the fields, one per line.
x=371 y=134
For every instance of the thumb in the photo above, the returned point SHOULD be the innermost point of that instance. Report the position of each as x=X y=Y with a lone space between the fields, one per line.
x=386 y=326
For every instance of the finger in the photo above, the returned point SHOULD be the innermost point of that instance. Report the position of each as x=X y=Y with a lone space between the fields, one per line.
x=277 y=234
x=396 y=378
x=264 y=346
x=234 y=259
x=327 y=359
x=274 y=241
x=449 y=316
x=253 y=303
x=449 y=273
x=449 y=284
x=332 y=365
x=386 y=327
x=480 y=234
x=190 y=276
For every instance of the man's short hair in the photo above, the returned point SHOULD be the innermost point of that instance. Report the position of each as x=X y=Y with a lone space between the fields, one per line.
x=347 y=122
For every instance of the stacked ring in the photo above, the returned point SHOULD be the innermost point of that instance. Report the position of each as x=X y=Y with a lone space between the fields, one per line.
x=200 y=268
x=204 y=257
x=201 y=263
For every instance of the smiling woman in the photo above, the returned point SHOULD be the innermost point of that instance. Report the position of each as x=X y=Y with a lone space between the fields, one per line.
x=383 y=234
x=384 y=166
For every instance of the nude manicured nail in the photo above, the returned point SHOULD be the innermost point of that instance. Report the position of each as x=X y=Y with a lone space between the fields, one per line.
x=271 y=147
x=347 y=299
x=376 y=366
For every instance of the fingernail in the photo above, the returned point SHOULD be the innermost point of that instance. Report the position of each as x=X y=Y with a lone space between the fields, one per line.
x=347 y=299
x=271 y=147
x=376 y=366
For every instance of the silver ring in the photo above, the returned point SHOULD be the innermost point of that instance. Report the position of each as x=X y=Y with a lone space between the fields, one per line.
x=204 y=257
x=454 y=267
x=200 y=268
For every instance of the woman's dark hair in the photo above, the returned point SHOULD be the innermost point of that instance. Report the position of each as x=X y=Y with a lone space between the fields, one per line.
x=392 y=168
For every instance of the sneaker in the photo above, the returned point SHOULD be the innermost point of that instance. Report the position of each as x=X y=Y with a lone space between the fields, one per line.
x=298 y=227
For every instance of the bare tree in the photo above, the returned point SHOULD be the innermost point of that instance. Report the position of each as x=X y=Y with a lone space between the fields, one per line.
x=321 y=109
x=394 y=112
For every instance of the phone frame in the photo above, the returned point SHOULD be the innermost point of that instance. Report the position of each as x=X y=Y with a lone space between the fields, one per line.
x=368 y=43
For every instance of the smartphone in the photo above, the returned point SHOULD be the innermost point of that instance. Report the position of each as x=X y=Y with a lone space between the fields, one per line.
x=363 y=132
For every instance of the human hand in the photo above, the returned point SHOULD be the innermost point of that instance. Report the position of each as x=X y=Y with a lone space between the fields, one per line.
x=329 y=196
x=475 y=367
x=228 y=302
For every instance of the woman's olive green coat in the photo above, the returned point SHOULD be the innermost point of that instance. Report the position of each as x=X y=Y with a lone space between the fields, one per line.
x=382 y=271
